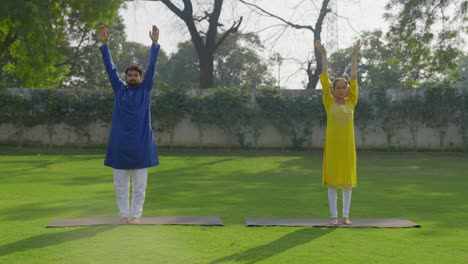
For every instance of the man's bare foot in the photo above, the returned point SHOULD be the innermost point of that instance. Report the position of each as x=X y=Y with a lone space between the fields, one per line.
x=135 y=221
x=123 y=220
x=334 y=221
x=346 y=221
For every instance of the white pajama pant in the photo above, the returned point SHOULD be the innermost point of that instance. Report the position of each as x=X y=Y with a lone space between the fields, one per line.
x=122 y=187
x=332 y=197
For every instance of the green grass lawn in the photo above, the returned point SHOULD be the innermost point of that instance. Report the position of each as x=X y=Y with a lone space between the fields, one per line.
x=428 y=188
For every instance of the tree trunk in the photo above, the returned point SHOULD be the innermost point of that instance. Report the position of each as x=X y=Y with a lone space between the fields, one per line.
x=363 y=137
x=414 y=132
x=205 y=43
x=313 y=75
x=200 y=136
x=171 y=139
x=50 y=131
x=20 y=133
x=442 y=134
x=206 y=71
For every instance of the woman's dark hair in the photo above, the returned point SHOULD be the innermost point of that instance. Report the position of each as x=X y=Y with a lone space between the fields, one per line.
x=134 y=67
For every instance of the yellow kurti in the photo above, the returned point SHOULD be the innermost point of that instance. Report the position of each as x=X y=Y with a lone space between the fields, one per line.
x=339 y=152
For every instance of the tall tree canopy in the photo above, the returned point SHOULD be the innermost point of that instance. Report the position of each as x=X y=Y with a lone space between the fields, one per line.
x=427 y=37
x=36 y=36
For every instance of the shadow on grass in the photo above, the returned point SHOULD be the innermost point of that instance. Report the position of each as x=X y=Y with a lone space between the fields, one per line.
x=291 y=240
x=64 y=208
x=87 y=180
x=24 y=167
x=51 y=239
x=416 y=186
x=31 y=151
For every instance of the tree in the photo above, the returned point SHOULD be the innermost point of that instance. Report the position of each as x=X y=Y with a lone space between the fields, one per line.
x=412 y=116
x=237 y=63
x=51 y=113
x=462 y=83
x=340 y=63
x=388 y=113
x=227 y=106
x=182 y=69
x=18 y=110
x=364 y=115
x=169 y=110
x=205 y=43
x=316 y=29
x=81 y=113
x=442 y=106
x=378 y=67
x=200 y=114
x=462 y=118
x=377 y=63
x=86 y=67
x=427 y=39
x=274 y=105
x=35 y=35
x=303 y=110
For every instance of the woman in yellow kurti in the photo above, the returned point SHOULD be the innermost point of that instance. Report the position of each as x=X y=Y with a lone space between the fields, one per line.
x=339 y=155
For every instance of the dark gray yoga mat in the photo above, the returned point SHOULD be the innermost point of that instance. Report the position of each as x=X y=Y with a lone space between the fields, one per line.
x=367 y=222
x=160 y=220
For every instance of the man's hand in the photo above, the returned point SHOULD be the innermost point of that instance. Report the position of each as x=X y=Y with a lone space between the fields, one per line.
x=154 y=34
x=103 y=34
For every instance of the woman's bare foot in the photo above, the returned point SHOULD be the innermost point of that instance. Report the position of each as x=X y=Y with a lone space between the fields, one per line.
x=346 y=221
x=333 y=221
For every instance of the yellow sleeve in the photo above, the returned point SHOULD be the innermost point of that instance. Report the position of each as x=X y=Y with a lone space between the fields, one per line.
x=353 y=92
x=326 y=83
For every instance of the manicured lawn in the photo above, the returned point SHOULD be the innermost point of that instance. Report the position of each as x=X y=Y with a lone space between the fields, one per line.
x=38 y=186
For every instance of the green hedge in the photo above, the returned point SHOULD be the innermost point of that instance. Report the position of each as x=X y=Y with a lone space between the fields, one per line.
x=239 y=112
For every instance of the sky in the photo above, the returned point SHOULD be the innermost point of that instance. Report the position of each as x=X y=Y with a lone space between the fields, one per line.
x=296 y=46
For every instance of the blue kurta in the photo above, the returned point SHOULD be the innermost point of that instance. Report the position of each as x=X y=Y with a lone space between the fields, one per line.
x=131 y=144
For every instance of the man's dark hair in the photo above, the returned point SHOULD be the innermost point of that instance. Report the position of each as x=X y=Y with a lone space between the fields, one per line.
x=134 y=67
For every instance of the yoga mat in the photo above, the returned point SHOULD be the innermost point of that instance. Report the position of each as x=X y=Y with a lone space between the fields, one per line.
x=160 y=220
x=366 y=222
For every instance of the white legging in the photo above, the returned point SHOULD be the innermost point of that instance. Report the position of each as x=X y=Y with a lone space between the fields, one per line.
x=332 y=197
x=122 y=186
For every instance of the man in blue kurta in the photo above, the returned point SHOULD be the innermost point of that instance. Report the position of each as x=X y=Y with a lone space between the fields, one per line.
x=131 y=150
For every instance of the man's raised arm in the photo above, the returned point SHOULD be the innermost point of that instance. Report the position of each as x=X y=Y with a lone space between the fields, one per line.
x=112 y=71
x=150 y=70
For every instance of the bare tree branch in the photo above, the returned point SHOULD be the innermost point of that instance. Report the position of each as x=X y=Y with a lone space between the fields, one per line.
x=313 y=3
x=205 y=43
x=312 y=74
x=234 y=28
x=78 y=51
x=200 y=19
x=293 y=25
x=283 y=28
x=175 y=9
x=348 y=20
x=9 y=39
x=187 y=16
x=266 y=28
x=213 y=26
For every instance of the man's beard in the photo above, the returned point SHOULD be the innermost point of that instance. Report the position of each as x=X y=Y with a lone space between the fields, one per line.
x=133 y=83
